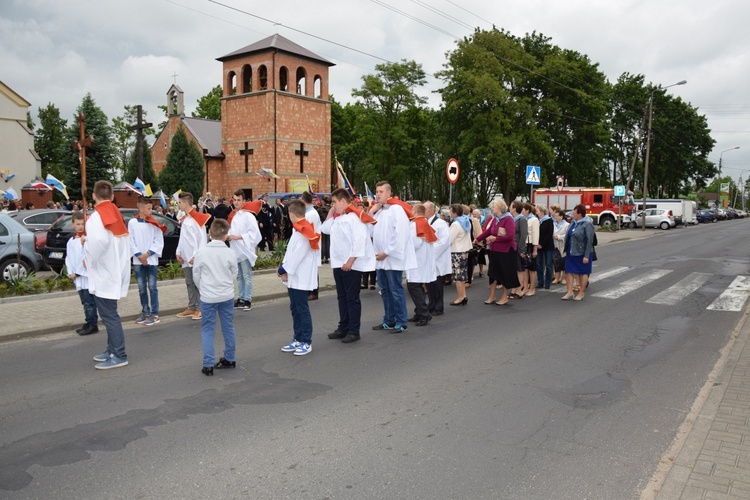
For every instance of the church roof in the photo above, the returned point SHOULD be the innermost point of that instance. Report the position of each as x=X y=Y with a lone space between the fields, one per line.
x=278 y=42
x=207 y=133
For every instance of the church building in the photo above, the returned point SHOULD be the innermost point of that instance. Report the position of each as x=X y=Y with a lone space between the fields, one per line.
x=275 y=119
x=19 y=162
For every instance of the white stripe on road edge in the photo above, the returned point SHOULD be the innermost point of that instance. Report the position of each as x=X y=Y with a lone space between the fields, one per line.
x=675 y=293
x=597 y=277
x=628 y=286
x=734 y=297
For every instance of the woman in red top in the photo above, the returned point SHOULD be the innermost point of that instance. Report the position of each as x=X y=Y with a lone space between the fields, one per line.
x=500 y=234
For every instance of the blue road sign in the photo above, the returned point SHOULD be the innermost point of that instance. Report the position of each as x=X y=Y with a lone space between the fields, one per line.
x=533 y=175
x=619 y=190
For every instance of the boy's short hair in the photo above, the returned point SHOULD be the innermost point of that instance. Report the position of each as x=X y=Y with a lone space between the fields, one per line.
x=78 y=216
x=142 y=200
x=240 y=192
x=418 y=209
x=186 y=197
x=103 y=190
x=297 y=208
x=341 y=194
x=306 y=197
x=219 y=229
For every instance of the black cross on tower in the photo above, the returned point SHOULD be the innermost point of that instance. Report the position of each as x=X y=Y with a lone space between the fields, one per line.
x=301 y=153
x=246 y=153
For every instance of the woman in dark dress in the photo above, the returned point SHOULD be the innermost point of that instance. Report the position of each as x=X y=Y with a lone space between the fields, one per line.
x=500 y=234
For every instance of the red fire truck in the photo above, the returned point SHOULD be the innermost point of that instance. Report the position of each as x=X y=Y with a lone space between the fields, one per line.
x=601 y=203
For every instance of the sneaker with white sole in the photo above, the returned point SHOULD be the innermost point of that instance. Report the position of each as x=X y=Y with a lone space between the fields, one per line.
x=141 y=319
x=112 y=362
x=151 y=320
x=302 y=349
x=248 y=304
x=100 y=358
x=291 y=347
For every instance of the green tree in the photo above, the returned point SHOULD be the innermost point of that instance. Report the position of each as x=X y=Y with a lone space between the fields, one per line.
x=100 y=157
x=124 y=139
x=131 y=167
x=184 y=168
x=209 y=106
x=388 y=122
x=50 y=141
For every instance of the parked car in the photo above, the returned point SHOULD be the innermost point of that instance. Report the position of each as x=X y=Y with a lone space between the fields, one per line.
x=62 y=230
x=655 y=217
x=720 y=214
x=706 y=216
x=10 y=266
x=38 y=219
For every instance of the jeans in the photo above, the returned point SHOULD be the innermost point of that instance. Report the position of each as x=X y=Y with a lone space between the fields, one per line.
x=208 y=325
x=347 y=293
x=544 y=268
x=394 y=297
x=194 y=296
x=146 y=278
x=111 y=319
x=303 y=327
x=245 y=280
x=89 y=306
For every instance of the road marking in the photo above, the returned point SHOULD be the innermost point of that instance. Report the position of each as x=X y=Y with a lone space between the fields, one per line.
x=675 y=293
x=596 y=277
x=628 y=286
x=734 y=297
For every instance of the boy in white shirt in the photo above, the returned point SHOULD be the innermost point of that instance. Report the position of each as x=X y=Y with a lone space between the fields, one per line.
x=299 y=272
x=244 y=236
x=193 y=237
x=423 y=237
x=214 y=271
x=74 y=262
x=147 y=243
x=351 y=254
x=313 y=217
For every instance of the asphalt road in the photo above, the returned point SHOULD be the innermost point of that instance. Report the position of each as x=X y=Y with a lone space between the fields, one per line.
x=539 y=399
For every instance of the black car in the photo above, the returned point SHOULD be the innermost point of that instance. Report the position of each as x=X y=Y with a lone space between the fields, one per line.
x=62 y=230
x=706 y=216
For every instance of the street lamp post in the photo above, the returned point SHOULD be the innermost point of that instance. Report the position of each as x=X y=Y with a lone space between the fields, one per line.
x=718 y=179
x=648 y=150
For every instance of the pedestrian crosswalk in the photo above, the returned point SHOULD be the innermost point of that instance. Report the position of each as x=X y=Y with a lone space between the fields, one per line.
x=618 y=282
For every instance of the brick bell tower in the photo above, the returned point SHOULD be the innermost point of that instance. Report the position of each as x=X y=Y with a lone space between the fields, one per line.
x=275 y=115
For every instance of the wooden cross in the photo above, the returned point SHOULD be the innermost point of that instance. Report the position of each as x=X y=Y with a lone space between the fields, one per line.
x=138 y=127
x=80 y=146
x=301 y=153
x=246 y=153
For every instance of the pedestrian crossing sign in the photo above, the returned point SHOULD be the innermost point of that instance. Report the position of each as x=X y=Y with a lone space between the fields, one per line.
x=533 y=175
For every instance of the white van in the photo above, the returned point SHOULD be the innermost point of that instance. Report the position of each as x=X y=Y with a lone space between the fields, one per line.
x=684 y=211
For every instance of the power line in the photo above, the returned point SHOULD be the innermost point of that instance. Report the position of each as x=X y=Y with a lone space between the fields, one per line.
x=413 y=18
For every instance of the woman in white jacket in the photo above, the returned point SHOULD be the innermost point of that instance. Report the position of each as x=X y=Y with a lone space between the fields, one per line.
x=561 y=229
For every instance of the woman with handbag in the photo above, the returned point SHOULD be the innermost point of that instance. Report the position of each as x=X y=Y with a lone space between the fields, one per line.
x=500 y=234
x=579 y=245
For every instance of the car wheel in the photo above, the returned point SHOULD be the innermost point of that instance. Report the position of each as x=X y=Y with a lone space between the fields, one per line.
x=606 y=221
x=714 y=220
x=633 y=225
x=665 y=225
x=10 y=269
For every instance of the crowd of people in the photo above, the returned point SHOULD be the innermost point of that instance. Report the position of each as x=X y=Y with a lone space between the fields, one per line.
x=522 y=248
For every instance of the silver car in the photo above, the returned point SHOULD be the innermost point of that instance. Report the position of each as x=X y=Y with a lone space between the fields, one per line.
x=655 y=217
x=11 y=266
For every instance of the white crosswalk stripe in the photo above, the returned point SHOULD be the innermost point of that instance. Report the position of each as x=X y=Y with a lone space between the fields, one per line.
x=633 y=284
x=734 y=297
x=675 y=293
x=596 y=277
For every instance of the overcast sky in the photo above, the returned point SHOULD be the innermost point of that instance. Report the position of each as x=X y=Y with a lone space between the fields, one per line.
x=125 y=52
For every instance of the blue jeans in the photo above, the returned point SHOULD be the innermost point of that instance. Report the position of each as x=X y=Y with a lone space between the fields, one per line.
x=394 y=297
x=208 y=325
x=89 y=307
x=115 y=336
x=544 y=268
x=146 y=278
x=347 y=293
x=303 y=327
x=244 y=280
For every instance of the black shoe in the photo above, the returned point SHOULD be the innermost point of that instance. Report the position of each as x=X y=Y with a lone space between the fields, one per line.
x=88 y=329
x=312 y=296
x=423 y=322
x=207 y=371
x=238 y=304
x=362 y=287
x=414 y=319
x=83 y=327
x=546 y=287
x=223 y=363
x=247 y=305
x=350 y=337
x=437 y=313
x=337 y=335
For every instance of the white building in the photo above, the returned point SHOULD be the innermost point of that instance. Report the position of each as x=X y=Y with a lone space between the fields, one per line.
x=17 y=154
